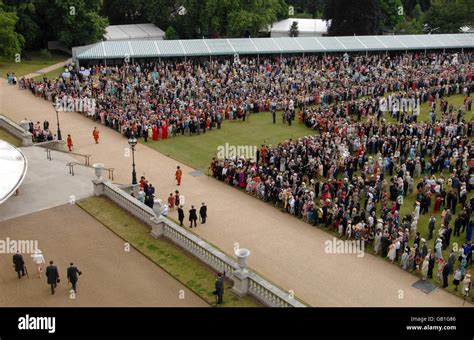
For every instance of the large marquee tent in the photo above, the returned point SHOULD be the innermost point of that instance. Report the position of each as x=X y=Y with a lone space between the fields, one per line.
x=109 y=50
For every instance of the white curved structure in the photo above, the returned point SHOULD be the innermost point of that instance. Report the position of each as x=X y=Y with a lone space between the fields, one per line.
x=13 y=167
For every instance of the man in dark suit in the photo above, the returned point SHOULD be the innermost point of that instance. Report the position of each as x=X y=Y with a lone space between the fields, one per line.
x=19 y=264
x=219 y=285
x=180 y=215
x=193 y=216
x=431 y=264
x=52 y=275
x=203 y=213
x=72 y=275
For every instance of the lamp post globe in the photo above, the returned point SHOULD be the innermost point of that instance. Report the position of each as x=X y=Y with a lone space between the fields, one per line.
x=132 y=141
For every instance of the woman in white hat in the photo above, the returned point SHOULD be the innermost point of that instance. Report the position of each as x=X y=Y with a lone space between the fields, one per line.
x=38 y=259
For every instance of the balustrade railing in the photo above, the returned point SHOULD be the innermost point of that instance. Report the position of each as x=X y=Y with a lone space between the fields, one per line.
x=257 y=286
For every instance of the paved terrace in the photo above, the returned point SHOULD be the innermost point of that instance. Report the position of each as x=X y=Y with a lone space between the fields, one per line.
x=47 y=184
x=112 y=277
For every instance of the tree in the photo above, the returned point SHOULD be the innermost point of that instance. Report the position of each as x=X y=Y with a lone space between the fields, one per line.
x=121 y=12
x=447 y=16
x=307 y=7
x=350 y=17
x=409 y=26
x=11 y=41
x=27 y=21
x=417 y=12
x=162 y=13
x=392 y=13
x=170 y=33
x=294 y=32
x=250 y=16
x=72 y=22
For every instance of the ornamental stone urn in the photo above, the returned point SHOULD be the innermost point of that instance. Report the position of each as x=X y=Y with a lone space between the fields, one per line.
x=98 y=169
x=242 y=258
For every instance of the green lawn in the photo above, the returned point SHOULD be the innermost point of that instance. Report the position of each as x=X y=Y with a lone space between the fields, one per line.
x=457 y=100
x=184 y=267
x=50 y=75
x=37 y=62
x=9 y=138
x=197 y=151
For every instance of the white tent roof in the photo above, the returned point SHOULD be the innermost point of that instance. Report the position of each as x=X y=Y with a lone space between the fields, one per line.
x=304 y=25
x=129 y=32
x=253 y=46
x=13 y=166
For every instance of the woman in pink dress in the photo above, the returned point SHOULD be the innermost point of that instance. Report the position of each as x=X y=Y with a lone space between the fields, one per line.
x=155 y=133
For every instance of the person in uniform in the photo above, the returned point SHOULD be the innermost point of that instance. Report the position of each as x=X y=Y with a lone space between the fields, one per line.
x=95 y=134
x=69 y=143
x=178 y=175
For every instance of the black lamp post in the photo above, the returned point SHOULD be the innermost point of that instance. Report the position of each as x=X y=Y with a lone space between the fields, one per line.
x=57 y=121
x=132 y=141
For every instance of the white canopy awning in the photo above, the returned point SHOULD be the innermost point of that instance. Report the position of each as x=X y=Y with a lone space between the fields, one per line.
x=13 y=166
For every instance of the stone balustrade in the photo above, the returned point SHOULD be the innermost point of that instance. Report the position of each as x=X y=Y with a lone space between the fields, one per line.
x=16 y=130
x=245 y=281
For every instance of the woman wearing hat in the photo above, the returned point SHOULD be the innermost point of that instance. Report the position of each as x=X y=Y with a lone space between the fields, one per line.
x=456 y=279
x=466 y=285
x=424 y=267
x=38 y=259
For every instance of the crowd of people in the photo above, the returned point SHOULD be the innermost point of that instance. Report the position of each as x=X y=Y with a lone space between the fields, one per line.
x=356 y=173
x=370 y=155
x=162 y=99
x=40 y=132
x=355 y=180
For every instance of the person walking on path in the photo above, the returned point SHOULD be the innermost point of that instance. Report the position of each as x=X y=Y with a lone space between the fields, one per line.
x=72 y=276
x=19 y=264
x=178 y=175
x=193 y=216
x=69 y=143
x=52 y=276
x=203 y=212
x=95 y=134
x=219 y=286
x=39 y=261
x=180 y=215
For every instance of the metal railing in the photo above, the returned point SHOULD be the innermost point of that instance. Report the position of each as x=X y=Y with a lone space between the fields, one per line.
x=48 y=149
x=71 y=166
